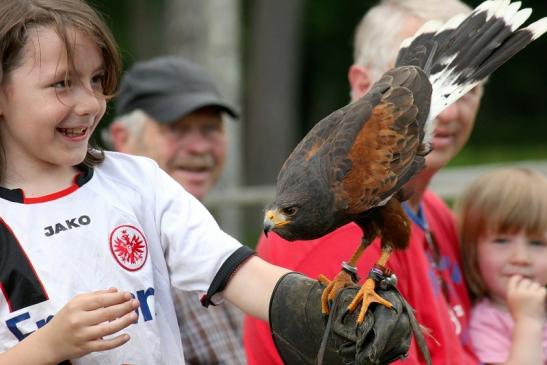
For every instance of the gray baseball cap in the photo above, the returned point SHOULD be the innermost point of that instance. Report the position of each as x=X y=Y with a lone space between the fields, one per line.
x=167 y=89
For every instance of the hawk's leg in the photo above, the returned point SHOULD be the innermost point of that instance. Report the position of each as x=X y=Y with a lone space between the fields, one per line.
x=343 y=279
x=395 y=231
x=348 y=275
x=367 y=294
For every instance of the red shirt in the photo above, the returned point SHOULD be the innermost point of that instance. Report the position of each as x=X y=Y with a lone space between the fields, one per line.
x=446 y=315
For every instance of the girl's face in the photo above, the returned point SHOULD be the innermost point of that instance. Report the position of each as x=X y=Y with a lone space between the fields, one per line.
x=501 y=256
x=48 y=109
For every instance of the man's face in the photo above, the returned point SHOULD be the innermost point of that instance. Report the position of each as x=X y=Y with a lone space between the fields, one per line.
x=191 y=150
x=454 y=126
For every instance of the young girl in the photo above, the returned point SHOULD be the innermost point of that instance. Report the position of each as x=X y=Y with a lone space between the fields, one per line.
x=503 y=216
x=75 y=224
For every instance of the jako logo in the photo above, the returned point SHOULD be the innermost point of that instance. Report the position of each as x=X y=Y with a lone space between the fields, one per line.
x=84 y=220
x=128 y=246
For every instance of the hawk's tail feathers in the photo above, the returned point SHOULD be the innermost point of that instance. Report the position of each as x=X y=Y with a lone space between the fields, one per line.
x=466 y=50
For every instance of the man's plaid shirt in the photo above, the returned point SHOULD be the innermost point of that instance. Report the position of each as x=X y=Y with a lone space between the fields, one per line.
x=211 y=335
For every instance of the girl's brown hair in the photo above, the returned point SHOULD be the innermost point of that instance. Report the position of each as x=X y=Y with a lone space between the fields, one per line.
x=17 y=17
x=502 y=201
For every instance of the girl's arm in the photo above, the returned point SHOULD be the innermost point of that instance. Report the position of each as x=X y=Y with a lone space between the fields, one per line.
x=77 y=329
x=526 y=301
x=252 y=285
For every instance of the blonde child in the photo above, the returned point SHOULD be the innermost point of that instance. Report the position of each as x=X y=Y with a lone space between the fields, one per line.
x=503 y=216
x=77 y=223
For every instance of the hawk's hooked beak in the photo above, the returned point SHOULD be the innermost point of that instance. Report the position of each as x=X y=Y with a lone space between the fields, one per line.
x=273 y=219
x=267 y=227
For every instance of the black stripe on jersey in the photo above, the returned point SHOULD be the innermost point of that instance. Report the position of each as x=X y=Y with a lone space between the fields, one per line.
x=18 y=280
x=224 y=274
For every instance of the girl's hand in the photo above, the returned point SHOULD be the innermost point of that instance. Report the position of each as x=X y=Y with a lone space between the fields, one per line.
x=526 y=299
x=81 y=325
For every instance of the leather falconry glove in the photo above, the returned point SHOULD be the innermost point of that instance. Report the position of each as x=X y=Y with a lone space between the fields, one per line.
x=303 y=335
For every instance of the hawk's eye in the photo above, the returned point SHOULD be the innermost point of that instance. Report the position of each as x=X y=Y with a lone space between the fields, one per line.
x=290 y=211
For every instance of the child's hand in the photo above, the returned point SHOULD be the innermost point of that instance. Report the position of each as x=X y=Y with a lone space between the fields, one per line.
x=526 y=299
x=79 y=327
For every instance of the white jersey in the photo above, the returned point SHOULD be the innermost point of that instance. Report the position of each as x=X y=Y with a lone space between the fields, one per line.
x=123 y=224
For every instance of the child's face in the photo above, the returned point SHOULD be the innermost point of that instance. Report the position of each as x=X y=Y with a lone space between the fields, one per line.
x=46 y=123
x=501 y=256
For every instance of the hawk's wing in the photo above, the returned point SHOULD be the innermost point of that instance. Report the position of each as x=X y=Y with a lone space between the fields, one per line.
x=365 y=151
x=387 y=149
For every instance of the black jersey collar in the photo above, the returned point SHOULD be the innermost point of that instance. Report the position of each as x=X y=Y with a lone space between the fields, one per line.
x=18 y=195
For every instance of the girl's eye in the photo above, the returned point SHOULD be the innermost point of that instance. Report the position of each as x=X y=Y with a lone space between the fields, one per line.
x=97 y=82
x=98 y=79
x=61 y=84
x=500 y=240
x=537 y=242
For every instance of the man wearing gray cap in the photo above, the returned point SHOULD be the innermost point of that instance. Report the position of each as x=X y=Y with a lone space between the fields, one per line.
x=170 y=110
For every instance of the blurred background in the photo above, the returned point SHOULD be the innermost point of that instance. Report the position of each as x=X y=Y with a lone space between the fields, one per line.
x=284 y=64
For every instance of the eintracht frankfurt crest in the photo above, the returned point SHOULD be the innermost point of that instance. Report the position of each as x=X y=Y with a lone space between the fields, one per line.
x=128 y=247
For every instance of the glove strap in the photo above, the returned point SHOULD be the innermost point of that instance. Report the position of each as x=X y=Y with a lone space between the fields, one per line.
x=328 y=326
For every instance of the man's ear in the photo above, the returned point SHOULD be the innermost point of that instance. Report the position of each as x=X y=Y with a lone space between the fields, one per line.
x=120 y=136
x=359 y=80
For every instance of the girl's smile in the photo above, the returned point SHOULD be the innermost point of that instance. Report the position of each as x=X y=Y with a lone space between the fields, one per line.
x=73 y=133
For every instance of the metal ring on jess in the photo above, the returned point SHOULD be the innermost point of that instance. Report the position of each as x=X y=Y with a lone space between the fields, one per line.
x=351 y=270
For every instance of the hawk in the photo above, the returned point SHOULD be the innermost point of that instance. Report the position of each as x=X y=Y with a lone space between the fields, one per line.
x=353 y=165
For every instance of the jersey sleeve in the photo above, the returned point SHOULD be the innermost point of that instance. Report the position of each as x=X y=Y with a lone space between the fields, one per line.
x=194 y=246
